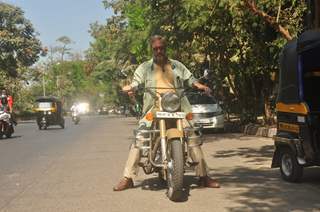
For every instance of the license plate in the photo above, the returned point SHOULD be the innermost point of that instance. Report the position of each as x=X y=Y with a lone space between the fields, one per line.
x=204 y=121
x=166 y=115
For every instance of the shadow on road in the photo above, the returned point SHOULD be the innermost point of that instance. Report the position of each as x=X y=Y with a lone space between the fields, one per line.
x=253 y=155
x=259 y=188
x=52 y=128
x=214 y=137
x=263 y=190
x=12 y=137
x=155 y=184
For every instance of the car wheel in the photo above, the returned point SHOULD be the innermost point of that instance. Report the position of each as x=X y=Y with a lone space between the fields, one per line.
x=290 y=169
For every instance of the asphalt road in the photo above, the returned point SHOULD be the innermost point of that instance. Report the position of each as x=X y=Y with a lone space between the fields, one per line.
x=74 y=169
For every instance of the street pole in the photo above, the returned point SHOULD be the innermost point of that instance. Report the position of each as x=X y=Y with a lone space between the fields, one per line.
x=43 y=83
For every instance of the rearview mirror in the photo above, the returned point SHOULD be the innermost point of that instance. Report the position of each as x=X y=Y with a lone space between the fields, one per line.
x=122 y=75
x=207 y=73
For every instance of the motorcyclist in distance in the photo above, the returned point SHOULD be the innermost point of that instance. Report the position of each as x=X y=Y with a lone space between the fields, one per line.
x=6 y=104
x=163 y=72
x=6 y=101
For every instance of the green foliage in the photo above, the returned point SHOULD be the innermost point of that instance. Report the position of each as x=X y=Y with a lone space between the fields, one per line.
x=223 y=35
x=19 y=46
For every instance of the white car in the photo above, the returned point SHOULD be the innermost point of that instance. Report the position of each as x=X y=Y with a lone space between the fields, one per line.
x=206 y=111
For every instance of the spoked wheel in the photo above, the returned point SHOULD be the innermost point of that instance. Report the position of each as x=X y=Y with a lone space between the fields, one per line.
x=175 y=171
x=290 y=169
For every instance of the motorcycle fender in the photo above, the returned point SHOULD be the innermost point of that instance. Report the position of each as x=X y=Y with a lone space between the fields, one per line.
x=174 y=133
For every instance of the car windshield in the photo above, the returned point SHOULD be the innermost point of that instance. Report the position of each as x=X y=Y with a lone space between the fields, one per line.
x=200 y=99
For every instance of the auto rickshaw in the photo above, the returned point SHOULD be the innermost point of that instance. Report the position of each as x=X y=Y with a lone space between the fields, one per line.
x=49 y=112
x=297 y=142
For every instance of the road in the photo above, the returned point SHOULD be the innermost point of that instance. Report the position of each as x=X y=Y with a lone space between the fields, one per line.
x=74 y=169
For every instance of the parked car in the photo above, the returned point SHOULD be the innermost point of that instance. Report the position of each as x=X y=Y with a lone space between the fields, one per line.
x=206 y=111
x=103 y=110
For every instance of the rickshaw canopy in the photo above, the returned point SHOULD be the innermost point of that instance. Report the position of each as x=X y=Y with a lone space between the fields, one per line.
x=288 y=83
x=308 y=40
x=47 y=99
x=48 y=103
x=300 y=70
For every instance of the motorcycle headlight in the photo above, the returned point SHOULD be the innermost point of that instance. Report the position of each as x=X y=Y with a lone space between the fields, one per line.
x=49 y=112
x=170 y=102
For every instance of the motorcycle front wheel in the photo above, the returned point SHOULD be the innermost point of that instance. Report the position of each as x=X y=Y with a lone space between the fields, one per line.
x=9 y=131
x=175 y=170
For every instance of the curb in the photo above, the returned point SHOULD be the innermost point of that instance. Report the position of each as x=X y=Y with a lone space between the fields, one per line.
x=257 y=130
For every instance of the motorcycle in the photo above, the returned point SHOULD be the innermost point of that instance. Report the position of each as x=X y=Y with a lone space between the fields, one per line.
x=165 y=147
x=75 y=117
x=6 y=125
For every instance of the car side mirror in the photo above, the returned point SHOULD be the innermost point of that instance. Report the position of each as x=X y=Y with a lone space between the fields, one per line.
x=207 y=73
x=122 y=75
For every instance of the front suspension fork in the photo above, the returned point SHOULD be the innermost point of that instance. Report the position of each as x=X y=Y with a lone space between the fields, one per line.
x=163 y=142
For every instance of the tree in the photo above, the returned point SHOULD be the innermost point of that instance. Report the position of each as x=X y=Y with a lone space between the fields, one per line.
x=19 y=46
x=63 y=49
x=239 y=39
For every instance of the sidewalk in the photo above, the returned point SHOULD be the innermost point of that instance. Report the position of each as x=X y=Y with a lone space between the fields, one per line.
x=263 y=131
x=251 y=129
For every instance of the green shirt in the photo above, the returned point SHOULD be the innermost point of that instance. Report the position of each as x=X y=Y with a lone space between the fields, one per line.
x=144 y=76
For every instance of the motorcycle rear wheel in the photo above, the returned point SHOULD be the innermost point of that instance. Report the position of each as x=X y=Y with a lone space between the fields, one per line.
x=175 y=171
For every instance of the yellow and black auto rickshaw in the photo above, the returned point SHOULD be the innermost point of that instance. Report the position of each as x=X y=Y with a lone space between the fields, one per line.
x=49 y=112
x=297 y=142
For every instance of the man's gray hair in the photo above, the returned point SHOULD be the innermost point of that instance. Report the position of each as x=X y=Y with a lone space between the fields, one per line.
x=158 y=37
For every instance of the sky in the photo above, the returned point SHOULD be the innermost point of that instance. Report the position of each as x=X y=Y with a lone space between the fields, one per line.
x=56 y=18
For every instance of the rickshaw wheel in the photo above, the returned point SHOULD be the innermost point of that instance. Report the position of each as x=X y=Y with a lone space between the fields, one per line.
x=42 y=127
x=290 y=169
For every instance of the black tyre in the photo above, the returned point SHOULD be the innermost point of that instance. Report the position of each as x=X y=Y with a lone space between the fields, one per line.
x=8 y=135
x=9 y=131
x=43 y=127
x=290 y=169
x=175 y=171
x=62 y=123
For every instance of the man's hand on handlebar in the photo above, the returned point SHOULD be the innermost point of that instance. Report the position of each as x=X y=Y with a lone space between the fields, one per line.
x=204 y=88
x=207 y=91
x=128 y=89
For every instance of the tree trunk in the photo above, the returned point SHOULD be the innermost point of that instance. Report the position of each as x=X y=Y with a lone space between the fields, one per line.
x=317 y=14
x=267 y=111
x=252 y=6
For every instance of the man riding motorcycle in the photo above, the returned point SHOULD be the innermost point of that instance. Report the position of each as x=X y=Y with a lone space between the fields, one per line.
x=6 y=104
x=75 y=113
x=162 y=72
x=6 y=101
x=6 y=120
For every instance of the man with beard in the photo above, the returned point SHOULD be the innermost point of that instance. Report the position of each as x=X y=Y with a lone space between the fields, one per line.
x=162 y=72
